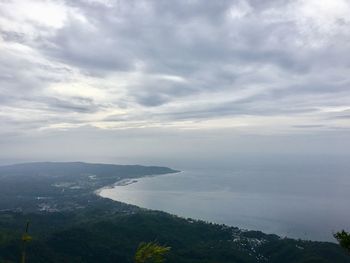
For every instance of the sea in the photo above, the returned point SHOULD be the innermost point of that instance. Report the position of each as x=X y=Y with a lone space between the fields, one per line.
x=298 y=197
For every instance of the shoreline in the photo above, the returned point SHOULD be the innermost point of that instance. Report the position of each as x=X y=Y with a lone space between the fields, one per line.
x=128 y=181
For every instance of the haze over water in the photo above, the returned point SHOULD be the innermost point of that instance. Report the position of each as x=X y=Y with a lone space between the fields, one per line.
x=297 y=197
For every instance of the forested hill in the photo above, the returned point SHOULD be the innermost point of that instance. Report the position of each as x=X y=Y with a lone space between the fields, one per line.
x=58 y=186
x=69 y=223
x=64 y=169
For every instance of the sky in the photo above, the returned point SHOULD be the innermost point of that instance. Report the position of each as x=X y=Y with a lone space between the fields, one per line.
x=144 y=81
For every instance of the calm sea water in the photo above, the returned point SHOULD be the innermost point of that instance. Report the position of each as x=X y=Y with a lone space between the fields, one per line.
x=305 y=198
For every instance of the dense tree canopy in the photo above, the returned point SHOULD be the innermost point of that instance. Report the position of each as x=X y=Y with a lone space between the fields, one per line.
x=343 y=238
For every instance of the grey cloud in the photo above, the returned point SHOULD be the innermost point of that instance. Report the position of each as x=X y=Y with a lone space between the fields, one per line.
x=77 y=104
x=234 y=109
x=73 y=104
x=198 y=42
x=152 y=100
x=257 y=105
x=340 y=115
x=90 y=50
x=116 y=118
x=50 y=103
x=188 y=36
x=12 y=36
x=189 y=39
x=343 y=117
x=309 y=126
x=263 y=5
x=318 y=94
x=159 y=92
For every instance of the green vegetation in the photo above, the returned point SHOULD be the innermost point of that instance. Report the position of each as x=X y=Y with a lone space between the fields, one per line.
x=79 y=226
x=343 y=239
x=151 y=252
x=81 y=237
x=52 y=187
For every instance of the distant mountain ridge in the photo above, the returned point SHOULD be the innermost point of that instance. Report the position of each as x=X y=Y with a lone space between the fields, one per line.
x=82 y=167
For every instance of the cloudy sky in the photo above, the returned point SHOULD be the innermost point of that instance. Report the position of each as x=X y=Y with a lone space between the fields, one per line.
x=100 y=79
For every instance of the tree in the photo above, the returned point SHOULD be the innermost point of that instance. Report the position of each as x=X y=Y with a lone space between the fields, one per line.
x=343 y=238
x=25 y=239
x=151 y=253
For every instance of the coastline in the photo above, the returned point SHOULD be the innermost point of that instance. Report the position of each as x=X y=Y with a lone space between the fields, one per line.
x=254 y=222
x=128 y=181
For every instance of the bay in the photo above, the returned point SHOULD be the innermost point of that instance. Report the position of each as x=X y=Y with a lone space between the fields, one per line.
x=306 y=199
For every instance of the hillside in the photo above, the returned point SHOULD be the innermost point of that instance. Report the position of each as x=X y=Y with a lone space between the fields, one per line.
x=69 y=223
x=50 y=186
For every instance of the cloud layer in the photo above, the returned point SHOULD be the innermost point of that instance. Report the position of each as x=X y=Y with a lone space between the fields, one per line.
x=254 y=66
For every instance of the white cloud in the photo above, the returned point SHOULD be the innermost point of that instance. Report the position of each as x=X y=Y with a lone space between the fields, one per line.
x=260 y=67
